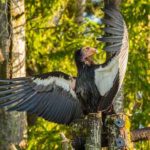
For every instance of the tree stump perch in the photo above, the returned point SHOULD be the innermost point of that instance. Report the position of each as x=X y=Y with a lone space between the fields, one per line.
x=118 y=130
x=94 y=132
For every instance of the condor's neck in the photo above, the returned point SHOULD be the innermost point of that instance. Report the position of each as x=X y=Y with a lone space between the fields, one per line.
x=80 y=66
x=83 y=68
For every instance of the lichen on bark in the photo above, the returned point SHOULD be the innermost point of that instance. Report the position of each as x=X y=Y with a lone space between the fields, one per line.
x=12 y=124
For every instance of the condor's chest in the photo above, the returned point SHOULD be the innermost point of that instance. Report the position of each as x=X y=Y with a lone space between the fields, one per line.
x=85 y=80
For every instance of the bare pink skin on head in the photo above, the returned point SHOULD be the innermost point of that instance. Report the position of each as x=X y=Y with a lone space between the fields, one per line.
x=88 y=53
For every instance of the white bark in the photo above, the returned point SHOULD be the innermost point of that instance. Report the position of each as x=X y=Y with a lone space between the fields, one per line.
x=12 y=124
x=93 y=140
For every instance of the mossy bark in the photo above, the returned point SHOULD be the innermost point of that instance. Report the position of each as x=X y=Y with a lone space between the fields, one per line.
x=12 y=46
x=94 y=131
x=118 y=129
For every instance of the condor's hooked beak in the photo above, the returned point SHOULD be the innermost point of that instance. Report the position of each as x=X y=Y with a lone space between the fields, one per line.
x=88 y=52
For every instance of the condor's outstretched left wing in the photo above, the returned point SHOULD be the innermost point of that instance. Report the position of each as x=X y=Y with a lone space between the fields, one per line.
x=109 y=76
x=49 y=96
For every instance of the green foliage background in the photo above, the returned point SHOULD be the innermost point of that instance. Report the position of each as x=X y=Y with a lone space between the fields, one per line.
x=52 y=36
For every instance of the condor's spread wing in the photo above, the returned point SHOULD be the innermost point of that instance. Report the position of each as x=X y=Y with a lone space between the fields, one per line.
x=49 y=96
x=109 y=76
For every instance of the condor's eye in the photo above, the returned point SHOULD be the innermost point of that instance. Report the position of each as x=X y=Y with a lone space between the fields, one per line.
x=87 y=48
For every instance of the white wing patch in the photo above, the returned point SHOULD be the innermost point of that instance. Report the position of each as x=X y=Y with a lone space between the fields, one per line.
x=104 y=77
x=59 y=81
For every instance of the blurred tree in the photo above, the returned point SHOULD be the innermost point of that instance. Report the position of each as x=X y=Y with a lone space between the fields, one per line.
x=12 y=43
x=137 y=97
x=137 y=78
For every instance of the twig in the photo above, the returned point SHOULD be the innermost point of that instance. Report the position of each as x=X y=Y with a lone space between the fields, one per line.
x=65 y=141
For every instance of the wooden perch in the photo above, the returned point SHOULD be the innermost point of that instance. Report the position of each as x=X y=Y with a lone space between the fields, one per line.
x=136 y=136
x=118 y=132
x=94 y=132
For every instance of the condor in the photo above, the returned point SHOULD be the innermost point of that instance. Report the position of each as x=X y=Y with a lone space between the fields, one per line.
x=60 y=98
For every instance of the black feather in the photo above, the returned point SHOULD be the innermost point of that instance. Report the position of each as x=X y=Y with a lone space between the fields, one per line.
x=112 y=23
x=19 y=106
x=111 y=39
x=15 y=99
x=113 y=31
x=113 y=48
x=114 y=14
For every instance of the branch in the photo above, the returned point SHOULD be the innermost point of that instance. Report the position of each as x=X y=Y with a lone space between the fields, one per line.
x=65 y=142
x=140 y=134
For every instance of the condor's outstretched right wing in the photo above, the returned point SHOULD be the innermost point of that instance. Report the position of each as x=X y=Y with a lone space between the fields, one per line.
x=109 y=76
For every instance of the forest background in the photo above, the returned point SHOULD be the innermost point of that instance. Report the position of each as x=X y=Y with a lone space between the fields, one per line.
x=55 y=29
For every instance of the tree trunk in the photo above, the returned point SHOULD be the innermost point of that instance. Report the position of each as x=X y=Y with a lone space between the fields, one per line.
x=12 y=44
x=118 y=129
x=76 y=9
x=93 y=139
x=80 y=5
